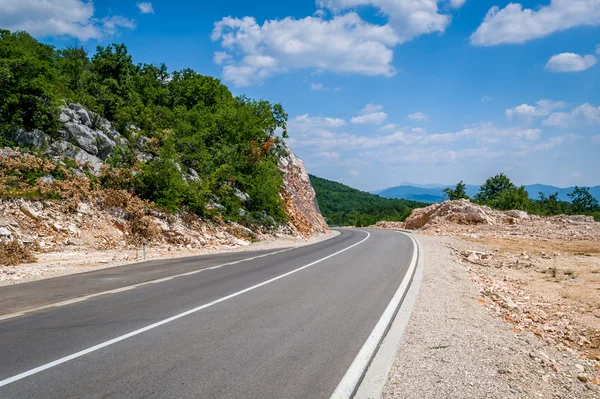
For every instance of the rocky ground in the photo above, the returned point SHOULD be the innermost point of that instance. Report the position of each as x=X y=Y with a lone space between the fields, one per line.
x=456 y=348
x=514 y=301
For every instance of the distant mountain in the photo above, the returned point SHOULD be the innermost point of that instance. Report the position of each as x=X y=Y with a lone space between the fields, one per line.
x=344 y=206
x=429 y=193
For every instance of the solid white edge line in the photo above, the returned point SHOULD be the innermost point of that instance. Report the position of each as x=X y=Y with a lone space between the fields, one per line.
x=168 y=320
x=355 y=372
x=376 y=374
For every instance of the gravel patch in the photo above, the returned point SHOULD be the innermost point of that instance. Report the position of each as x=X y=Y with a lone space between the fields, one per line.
x=455 y=348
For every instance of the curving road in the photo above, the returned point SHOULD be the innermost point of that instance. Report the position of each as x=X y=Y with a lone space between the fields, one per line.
x=271 y=324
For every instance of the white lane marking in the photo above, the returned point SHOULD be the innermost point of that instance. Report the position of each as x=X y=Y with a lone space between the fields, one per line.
x=129 y=287
x=351 y=379
x=170 y=319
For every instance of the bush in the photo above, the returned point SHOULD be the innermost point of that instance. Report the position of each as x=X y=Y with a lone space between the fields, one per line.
x=14 y=252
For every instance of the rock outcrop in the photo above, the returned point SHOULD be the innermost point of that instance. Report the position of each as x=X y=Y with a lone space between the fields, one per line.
x=299 y=196
x=90 y=139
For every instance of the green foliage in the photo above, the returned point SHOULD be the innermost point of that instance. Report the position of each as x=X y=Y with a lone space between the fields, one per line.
x=29 y=88
x=193 y=121
x=345 y=206
x=583 y=201
x=512 y=198
x=493 y=187
x=459 y=192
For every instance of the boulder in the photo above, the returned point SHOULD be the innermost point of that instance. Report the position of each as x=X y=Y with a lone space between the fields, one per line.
x=64 y=149
x=36 y=138
x=4 y=232
x=517 y=214
x=83 y=136
x=84 y=116
x=105 y=145
x=244 y=197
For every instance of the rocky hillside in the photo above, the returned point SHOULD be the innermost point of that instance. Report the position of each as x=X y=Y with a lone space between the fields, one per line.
x=60 y=193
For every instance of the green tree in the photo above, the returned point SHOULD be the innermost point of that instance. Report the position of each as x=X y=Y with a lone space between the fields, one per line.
x=29 y=91
x=582 y=200
x=512 y=198
x=459 y=192
x=493 y=187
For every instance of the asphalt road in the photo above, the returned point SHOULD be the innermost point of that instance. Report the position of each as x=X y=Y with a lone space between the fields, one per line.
x=243 y=330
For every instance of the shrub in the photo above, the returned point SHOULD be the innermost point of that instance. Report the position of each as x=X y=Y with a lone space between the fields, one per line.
x=14 y=252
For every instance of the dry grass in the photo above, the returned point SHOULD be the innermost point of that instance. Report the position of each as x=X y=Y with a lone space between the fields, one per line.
x=576 y=247
x=14 y=252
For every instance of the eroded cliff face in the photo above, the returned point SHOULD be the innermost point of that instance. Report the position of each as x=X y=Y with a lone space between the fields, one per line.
x=300 y=199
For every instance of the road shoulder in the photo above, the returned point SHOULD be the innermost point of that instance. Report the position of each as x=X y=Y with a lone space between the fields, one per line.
x=455 y=348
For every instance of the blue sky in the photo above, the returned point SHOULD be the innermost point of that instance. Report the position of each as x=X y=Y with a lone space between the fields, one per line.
x=381 y=92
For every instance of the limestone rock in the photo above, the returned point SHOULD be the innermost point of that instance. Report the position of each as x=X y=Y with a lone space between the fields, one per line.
x=36 y=138
x=299 y=196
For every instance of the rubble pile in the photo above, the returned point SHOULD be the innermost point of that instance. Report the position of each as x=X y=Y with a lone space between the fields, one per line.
x=463 y=218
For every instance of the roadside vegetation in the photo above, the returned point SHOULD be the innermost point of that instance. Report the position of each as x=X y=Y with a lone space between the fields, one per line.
x=345 y=206
x=190 y=121
x=500 y=193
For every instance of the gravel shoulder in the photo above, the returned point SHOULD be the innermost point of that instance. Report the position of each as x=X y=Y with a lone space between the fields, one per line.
x=84 y=259
x=454 y=347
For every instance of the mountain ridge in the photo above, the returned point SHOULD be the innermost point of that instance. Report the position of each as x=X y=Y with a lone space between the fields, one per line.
x=431 y=194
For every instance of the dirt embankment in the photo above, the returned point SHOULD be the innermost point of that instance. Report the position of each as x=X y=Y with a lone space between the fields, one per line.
x=539 y=274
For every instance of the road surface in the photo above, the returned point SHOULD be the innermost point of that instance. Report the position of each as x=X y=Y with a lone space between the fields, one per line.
x=283 y=324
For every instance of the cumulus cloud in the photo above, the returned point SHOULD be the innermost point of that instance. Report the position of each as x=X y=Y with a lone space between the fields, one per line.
x=515 y=24
x=145 y=8
x=526 y=113
x=583 y=115
x=343 y=44
x=371 y=114
x=570 y=62
x=353 y=172
x=418 y=116
x=410 y=18
x=73 y=18
x=322 y=87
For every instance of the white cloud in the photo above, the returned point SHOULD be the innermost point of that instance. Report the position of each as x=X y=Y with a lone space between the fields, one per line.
x=525 y=113
x=145 y=8
x=457 y=3
x=514 y=24
x=570 y=62
x=410 y=18
x=418 y=116
x=305 y=123
x=221 y=57
x=353 y=172
x=343 y=44
x=322 y=87
x=598 y=49
x=585 y=114
x=387 y=128
x=486 y=99
x=73 y=18
x=371 y=114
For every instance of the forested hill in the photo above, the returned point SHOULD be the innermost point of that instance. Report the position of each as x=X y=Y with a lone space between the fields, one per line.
x=183 y=122
x=346 y=206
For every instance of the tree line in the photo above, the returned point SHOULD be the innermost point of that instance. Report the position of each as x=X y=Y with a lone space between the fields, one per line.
x=500 y=193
